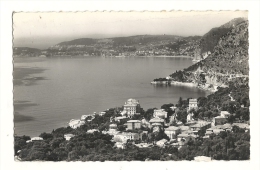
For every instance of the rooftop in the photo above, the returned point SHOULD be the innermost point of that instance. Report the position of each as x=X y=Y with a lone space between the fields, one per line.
x=172 y=128
x=184 y=127
x=225 y=112
x=156 y=124
x=133 y=121
x=131 y=102
x=192 y=100
x=113 y=125
x=156 y=119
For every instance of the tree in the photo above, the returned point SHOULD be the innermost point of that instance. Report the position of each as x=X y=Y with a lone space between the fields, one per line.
x=46 y=136
x=180 y=102
x=61 y=154
x=182 y=115
x=149 y=114
x=144 y=137
x=73 y=155
x=121 y=128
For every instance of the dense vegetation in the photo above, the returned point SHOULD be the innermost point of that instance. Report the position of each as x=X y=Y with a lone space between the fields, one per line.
x=98 y=147
x=210 y=39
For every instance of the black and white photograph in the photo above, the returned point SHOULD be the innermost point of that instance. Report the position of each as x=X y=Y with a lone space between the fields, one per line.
x=130 y=89
x=131 y=86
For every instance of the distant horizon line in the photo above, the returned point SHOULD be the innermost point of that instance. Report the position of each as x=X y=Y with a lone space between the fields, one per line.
x=105 y=38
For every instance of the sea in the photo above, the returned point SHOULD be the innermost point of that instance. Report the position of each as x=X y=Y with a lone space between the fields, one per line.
x=49 y=92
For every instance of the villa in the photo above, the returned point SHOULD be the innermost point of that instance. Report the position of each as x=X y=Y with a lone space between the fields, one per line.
x=131 y=107
x=193 y=104
x=124 y=136
x=157 y=120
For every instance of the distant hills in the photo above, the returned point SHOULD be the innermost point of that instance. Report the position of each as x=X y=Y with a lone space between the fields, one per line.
x=139 y=45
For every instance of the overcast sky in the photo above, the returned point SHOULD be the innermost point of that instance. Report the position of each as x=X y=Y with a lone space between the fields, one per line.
x=42 y=30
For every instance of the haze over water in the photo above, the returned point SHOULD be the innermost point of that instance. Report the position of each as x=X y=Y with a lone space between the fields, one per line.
x=59 y=89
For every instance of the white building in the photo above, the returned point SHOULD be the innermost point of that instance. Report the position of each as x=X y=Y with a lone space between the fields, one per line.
x=74 y=124
x=225 y=114
x=68 y=136
x=161 y=143
x=118 y=119
x=102 y=113
x=112 y=127
x=83 y=117
x=34 y=139
x=130 y=107
x=120 y=145
x=193 y=104
x=92 y=130
x=124 y=136
x=172 y=131
x=190 y=117
x=161 y=113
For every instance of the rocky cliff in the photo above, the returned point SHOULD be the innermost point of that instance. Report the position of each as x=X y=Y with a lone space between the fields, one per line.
x=227 y=63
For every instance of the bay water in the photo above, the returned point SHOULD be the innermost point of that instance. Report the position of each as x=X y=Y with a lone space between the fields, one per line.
x=48 y=92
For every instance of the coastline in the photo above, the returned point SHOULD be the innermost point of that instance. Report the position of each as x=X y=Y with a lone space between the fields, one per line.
x=187 y=84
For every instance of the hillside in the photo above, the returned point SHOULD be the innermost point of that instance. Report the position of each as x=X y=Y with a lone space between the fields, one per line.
x=228 y=61
x=210 y=39
x=140 y=45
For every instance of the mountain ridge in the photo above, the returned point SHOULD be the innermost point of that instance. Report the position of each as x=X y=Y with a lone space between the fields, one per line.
x=198 y=47
x=227 y=63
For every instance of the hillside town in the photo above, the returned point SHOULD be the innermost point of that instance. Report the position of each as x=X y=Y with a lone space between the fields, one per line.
x=161 y=130
x=213 y=127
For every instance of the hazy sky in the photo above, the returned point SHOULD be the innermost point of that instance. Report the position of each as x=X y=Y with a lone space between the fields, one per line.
x=42 y=30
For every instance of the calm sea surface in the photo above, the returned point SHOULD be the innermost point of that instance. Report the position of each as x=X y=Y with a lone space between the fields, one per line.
x=48 y=92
